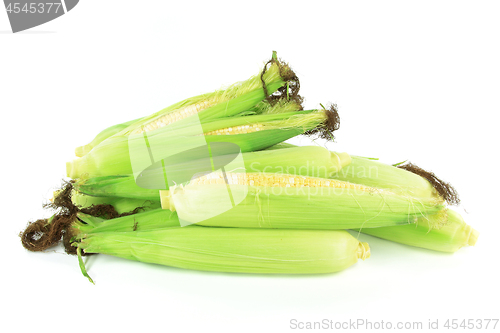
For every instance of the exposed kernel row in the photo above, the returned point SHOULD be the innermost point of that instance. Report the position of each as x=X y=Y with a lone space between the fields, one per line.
x=174 y=116
x=273 y=180
x=244 y=129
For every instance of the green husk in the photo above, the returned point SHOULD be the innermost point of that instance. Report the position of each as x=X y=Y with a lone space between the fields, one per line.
x=312 y=161
x=240 y=99
x=429 y=233
x=120 y=204
x=373 y=173
x=103 y=135
x=232 y=249
x=294 y=207
x=112 y=156
x=149 y=220
x=115 y=186
x=281 y=145
x=369 y=172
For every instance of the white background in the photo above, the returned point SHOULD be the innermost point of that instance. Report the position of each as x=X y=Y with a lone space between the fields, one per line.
x=413 y=80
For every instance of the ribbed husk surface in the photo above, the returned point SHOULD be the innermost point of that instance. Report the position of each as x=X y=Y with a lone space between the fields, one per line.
x=430 y=233
x=294 y=207
x=232 y=249
x=373 y=173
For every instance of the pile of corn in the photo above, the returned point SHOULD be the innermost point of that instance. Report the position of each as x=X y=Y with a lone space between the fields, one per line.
x=209 y=184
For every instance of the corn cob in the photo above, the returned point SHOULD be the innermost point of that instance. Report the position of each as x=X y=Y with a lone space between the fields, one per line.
x=431 y=234
x=238 y=98
x=231 y=249
x=276 y=76
x=241 y=98
x=288 y=201
x=115 y=156
x=306 y=161
x=177 y=109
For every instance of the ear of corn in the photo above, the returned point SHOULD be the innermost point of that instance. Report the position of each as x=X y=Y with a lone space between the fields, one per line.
x=239 y=97
x=113 y=156
x=120 y=128
x=287 y=201
x=429 y=233
x=232 y=249
x=259 y=132
x=305 y=161
x=208 y=184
